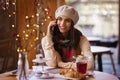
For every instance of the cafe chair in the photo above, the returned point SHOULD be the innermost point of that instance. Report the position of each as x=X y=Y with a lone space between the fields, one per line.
x=112 y=61
x=98 y=51
x=111 y=43
x=105 y=43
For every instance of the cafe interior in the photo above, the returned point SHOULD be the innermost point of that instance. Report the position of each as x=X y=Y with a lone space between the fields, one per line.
x=23 y=23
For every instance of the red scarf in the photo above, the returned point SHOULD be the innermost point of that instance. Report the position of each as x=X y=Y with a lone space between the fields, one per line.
x=69 y=52
x=69 y=55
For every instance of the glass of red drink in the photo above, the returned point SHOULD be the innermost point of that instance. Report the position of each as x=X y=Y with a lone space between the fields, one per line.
x=81 y=63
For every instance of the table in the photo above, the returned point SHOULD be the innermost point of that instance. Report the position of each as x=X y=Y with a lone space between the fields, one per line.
x=97 y=76
x=108 y=42
x=99 y=51
x=94 y=40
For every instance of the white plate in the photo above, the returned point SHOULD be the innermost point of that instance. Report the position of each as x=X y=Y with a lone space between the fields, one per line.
x=44 y=76
x=73 y=78
x=53 y=70
x=39 y=68
x=41 y=60
x=49 y=77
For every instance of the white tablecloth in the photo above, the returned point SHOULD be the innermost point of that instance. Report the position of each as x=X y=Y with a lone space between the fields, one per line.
x=97 y=76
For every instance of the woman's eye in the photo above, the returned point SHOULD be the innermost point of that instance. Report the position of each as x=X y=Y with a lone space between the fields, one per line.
x=68 y=20
x=59 y=18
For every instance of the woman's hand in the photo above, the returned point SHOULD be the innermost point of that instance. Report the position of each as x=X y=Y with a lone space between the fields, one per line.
x=51 y=26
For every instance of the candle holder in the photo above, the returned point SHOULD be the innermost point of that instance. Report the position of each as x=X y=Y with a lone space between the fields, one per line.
x=40 y=60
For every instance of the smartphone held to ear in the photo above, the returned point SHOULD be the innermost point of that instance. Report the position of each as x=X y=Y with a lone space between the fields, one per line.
x=54 y=27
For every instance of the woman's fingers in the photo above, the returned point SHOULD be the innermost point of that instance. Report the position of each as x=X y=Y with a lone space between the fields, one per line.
x=51 y=26
x=52 y=23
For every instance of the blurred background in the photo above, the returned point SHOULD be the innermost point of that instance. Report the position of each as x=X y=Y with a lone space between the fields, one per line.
x=97 y=17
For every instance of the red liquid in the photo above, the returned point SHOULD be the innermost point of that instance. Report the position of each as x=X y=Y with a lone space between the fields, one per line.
x=81 y=67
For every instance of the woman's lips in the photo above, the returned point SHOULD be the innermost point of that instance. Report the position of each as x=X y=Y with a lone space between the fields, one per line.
x=62 y=27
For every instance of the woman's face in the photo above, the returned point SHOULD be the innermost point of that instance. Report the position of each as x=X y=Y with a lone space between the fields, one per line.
x=64 y=24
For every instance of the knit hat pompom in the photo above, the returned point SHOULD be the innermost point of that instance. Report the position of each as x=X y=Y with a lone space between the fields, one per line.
x=67 y=11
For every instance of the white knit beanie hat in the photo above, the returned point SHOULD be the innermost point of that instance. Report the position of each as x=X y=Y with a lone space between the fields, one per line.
x=67 y=11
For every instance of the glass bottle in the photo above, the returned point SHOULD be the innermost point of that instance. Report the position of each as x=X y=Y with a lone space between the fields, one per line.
x=19 y=67
x=23 y=66
x=26 y=64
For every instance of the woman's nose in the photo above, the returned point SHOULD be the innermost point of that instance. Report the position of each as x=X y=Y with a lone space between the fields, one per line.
x=62 y=23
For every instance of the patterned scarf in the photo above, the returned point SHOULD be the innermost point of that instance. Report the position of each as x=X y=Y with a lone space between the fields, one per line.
x=69 y=50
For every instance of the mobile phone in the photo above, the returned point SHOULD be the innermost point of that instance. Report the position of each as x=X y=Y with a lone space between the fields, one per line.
x=54 y=28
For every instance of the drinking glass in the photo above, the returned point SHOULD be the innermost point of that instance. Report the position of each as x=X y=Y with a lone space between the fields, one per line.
x=81 y=63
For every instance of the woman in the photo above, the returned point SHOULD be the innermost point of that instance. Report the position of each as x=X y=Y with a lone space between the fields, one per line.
x=63 y=41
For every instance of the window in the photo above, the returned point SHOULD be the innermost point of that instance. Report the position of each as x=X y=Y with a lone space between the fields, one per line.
x=97 y=17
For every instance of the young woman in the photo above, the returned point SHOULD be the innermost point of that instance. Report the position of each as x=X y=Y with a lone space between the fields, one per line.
x=63 y=41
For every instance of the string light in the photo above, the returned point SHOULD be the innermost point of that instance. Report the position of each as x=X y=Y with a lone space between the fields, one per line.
x=37 y=14
x=13 y=3
x=37 y=38
x=43 y=34
x=16 y=39
x=32 y=16
x=14 y=13
x=13 y=26
x=27 y=25
x=26 y=35
x=42 y=23
x=33 y=30
x=5 y=4
x=30 y=27
x=18 y=35
x=26 y=17
x=37 y=26
x=31 y=45
x=9 y=15
x=46 y=9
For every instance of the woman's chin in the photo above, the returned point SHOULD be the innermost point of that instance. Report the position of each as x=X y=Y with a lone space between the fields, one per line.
x=63 y=31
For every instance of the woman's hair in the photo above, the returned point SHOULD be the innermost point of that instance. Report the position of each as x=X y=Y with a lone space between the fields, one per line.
x=71 y=41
